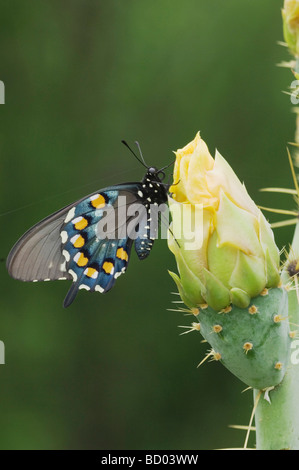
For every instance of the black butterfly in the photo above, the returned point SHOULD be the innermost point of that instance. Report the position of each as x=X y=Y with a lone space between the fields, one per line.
x=72 y=243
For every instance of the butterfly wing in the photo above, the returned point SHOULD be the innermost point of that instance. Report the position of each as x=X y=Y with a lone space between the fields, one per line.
x=66 y=244
x=37 y=254
x=95 y=259
x=69 y=244
x=106 y=264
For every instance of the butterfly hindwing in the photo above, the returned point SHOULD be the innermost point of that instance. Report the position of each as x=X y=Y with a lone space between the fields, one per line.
x=95 y=259
x=106 y=264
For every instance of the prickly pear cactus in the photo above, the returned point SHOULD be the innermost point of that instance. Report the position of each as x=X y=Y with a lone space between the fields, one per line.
x=254 y=342
x=230 y=273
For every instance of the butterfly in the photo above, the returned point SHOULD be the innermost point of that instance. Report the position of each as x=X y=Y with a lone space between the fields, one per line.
x=90 y=240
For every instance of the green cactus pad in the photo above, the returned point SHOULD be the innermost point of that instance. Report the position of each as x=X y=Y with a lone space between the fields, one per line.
x=253 y=342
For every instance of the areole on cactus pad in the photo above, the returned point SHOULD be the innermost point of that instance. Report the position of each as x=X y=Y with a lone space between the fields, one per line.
x=233 y=276
x=253 y=343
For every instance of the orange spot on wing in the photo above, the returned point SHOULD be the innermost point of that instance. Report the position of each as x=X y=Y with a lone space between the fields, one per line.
x=108 y=267
x=91 y=272
x=79 y=242
x=98 y=201
x=122 y=254
x=81 y=223
x=81 y=260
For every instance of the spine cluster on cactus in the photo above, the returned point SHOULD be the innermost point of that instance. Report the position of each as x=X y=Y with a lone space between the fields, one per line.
x=253 y=343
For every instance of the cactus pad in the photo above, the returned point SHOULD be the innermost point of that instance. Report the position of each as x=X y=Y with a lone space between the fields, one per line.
x=253 y=342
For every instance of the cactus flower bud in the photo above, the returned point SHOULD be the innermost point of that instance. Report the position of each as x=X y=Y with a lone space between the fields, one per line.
x=238 y=257
x=231 y=278
x=290 y=17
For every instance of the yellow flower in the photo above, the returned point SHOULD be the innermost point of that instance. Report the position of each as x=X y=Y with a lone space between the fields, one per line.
x=237 y=257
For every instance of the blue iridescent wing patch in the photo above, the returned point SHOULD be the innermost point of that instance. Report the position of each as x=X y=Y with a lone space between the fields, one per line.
x=107 y=263
x=94 y=263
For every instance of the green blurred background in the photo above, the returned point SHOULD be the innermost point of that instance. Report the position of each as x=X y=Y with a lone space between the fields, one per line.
x=112 y=372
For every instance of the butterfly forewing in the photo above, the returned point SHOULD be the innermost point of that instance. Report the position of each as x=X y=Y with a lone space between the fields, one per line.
x=37 y=255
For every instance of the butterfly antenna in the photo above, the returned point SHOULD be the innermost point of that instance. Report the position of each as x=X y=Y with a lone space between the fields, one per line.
x=136 y=156
x=167 y=166
x=140 y=153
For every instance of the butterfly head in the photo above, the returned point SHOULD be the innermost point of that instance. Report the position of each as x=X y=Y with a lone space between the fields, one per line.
x=155 y=174
x=152 y=174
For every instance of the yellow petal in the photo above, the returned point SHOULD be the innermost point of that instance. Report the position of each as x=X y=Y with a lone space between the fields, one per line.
x=200 y=162
x=222 y=177
x=192 y=161
x=237 y=227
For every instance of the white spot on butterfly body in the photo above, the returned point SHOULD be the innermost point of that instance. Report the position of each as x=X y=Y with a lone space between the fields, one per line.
x=74 y=239
x=99 y=289
x=140 y=193
x=94 y=275
x=66 y=255
x=73 y=274
x=70 y=215
x=64 y=236
x=76 y=257
x=84 y=286
x=116 y=275
x=63 y=267
x=62 y=279
x=77 y=219
x=47 y=279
